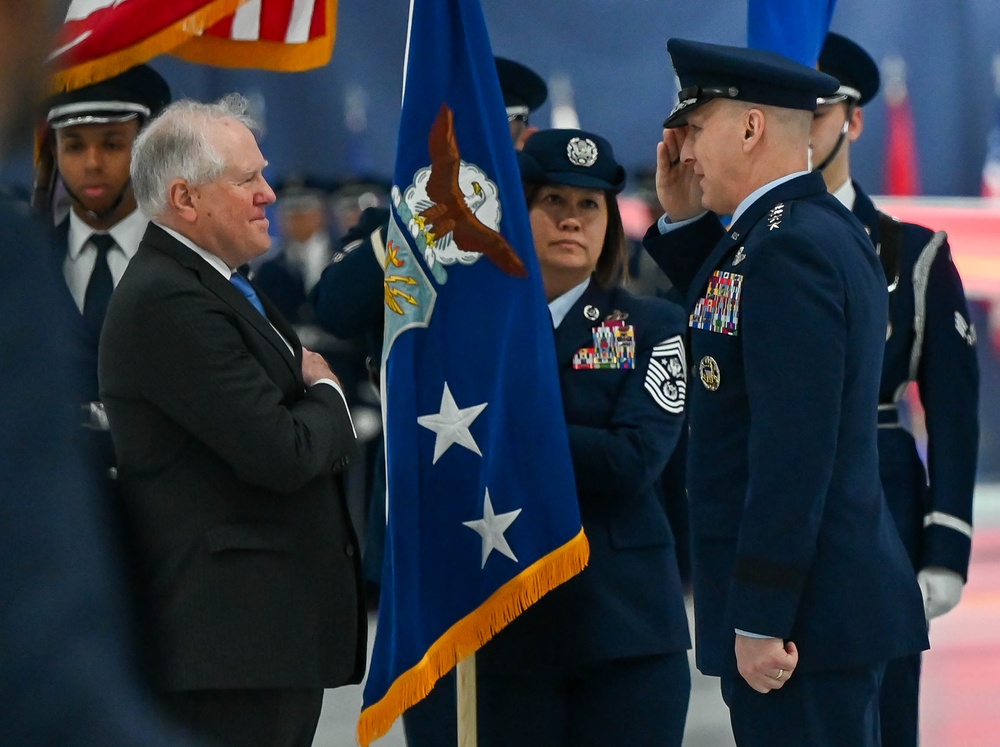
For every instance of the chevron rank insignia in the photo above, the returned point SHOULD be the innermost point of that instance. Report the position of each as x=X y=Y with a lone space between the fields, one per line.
x=666 y=377
x=965 y=329
x=719 y=309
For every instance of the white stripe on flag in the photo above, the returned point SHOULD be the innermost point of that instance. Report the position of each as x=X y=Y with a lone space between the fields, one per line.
x=299 y=23
x=80 y=9
x=246 y=22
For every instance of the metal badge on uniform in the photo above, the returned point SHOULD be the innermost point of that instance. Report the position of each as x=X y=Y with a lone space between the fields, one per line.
x=617 y=316
x=740 y=256
x=614 y=348
x=719 y=309
x=591 y=312
x=666 y=377
x=774 y=217
x=711 y=377
x=581 y=151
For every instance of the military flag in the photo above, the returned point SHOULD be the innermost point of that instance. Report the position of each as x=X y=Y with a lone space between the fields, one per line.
x=482 y=511
x=101 y=38
x=793 y=28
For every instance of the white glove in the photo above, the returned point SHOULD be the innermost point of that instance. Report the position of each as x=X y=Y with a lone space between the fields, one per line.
x=941 y=590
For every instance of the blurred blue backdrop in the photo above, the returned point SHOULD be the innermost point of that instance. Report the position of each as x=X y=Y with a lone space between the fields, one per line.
x=611 y=55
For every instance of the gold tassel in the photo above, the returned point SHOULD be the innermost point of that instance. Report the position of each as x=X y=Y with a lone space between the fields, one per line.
x=472 y=632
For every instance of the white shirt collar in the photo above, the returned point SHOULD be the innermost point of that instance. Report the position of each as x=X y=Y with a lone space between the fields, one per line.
x=846 y=194
x=559 y=307
x=758 y=193
x=127 y=233
x=225 y=270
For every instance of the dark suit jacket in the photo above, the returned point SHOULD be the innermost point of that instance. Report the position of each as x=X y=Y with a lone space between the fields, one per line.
x=68 y=674
x=628 y=601
x=791 y=536
x=227 y=465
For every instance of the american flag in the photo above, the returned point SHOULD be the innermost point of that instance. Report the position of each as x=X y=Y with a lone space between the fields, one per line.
x=101 y=38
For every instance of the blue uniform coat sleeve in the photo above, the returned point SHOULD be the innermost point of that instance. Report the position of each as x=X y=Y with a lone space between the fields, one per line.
x=697 y=238
x=948 y=381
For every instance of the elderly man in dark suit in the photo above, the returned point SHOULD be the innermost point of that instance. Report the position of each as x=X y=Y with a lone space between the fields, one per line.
x=229 y=436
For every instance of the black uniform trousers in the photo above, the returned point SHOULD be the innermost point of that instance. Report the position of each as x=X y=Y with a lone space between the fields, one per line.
x=599 y=704
x=830 y=708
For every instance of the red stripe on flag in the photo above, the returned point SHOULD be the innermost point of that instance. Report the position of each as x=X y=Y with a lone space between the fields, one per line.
x=319 y=20
x=274 y=18
x=117 y=27
x=223 y=28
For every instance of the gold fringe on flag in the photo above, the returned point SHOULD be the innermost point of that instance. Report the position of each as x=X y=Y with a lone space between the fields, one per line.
x=264 y=55
x=470 y=633
x=165 y=40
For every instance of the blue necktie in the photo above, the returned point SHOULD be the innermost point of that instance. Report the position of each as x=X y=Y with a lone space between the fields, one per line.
x=247 y=290
x=101 y=284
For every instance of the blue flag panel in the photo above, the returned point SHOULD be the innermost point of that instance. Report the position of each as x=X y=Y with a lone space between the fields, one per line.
x=794 y=28
x=483 y=517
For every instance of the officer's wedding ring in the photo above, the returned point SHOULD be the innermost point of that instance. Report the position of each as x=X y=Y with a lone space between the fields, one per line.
x=781 y=673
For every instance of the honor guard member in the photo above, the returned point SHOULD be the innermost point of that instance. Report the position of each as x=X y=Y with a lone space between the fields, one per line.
x=802 y=587
x=930 y=340
x=88 y=139
x=349 y=300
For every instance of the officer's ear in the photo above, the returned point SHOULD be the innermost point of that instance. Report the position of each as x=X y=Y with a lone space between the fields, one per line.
x=855 y=123
x=753 y=127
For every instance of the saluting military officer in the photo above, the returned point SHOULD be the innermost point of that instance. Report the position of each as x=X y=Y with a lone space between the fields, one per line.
x=930 y=340
x=802 y=587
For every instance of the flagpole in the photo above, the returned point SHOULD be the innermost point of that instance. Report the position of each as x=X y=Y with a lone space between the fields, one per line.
x=466 y=687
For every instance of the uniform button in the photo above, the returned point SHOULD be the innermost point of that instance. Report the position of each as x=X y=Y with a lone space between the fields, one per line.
x=113 y=473
x=349 y=551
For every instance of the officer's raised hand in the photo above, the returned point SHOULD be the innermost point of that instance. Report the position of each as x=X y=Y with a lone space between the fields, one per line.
x=678 y=188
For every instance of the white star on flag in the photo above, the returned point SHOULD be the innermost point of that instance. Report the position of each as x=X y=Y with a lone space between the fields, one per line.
x=452 y=425
x=491 y=528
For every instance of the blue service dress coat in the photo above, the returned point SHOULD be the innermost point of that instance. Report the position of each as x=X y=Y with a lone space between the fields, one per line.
x=228 y=466
x=69 y=672
x=930 y=341
x=622 y=428
x=791 y=536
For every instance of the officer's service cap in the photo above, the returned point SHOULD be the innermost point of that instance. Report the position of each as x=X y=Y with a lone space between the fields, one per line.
x=713 y=71
x=852 y=66
x=138 y=92
x=523 y=89
x=572 y=157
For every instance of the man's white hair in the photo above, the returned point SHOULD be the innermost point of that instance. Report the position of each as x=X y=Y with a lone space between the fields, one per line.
x=174 y=146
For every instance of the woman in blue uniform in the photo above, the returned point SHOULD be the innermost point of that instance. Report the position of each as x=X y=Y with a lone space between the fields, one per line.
x=601 y=659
